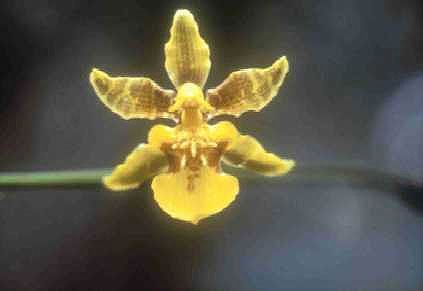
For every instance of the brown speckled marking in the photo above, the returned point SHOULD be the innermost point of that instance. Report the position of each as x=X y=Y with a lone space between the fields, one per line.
x=212 y=154
x=235 y=94
x=276 y=75
x=102 y=85
x=263 y=90
x=141 y=95
x=187 y=54
x=136 y=97
x=244 y=90
x=137 y=87
x=118 y=86
x=162 y=99
x=151 y=97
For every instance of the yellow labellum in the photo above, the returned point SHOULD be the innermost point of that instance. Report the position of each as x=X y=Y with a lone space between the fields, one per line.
x=185 y=160
x=191 y=198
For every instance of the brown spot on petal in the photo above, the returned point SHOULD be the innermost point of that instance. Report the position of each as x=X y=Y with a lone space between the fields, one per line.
x=102 y=85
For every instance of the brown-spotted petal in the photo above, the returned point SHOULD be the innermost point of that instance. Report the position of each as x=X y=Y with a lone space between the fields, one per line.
x=248 y=89
x=187 y=54
x=132 y=97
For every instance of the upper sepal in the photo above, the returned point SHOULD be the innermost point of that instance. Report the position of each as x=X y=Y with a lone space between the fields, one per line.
x=187 y=54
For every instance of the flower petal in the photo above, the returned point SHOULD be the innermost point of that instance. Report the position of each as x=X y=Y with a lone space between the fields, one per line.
x=248 y=153
x=187 y=54
x=132 y=97
x=160 y=134
x=144 y=162
x=223 y=132
x=248 y=89
x=193 y=199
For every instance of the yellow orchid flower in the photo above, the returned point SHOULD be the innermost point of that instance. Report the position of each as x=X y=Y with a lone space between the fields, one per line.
x=185 y=160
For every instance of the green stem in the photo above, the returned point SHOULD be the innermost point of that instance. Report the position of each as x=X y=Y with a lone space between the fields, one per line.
x=75 y=178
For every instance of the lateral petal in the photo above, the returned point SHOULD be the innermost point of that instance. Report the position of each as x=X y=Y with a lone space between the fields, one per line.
x=246 y=152
x=248 y=89
x=132 y=97
x=142 y=163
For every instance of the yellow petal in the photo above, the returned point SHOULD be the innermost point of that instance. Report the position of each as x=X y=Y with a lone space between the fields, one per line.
x=242 y=150
x=248 y=89
x=132 y=97
x=223 y=131
x=193 y=199
x=269 y=164
x=187 y=54
x=160 y=134
x=248 y=153
x=144 y=162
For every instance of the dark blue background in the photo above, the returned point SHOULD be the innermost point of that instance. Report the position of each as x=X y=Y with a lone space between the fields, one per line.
x=353 y=96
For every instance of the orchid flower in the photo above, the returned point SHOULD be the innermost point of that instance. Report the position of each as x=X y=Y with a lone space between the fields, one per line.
x=185 y=161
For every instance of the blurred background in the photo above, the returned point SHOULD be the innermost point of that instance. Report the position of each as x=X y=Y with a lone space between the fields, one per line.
x=354 y=96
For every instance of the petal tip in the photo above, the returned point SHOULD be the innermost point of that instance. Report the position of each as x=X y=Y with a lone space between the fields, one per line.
x=100 y=81
x=182 y=13
x=112 y=185
x=285 y=167
x=282 y=63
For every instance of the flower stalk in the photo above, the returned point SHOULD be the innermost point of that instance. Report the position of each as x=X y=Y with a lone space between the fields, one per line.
x=45 y=179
